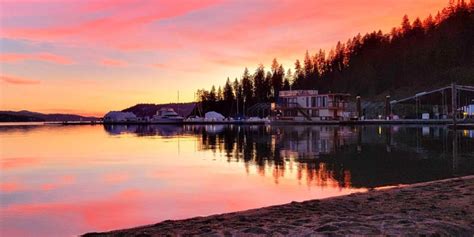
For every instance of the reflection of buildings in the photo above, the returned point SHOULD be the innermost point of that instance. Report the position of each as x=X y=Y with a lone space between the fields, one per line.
x=310 y=142
x=144 y=130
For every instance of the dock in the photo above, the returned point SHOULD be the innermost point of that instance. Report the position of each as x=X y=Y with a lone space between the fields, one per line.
x=468 y=124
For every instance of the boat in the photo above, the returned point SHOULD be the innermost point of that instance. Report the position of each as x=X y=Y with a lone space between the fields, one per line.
x=167 y=115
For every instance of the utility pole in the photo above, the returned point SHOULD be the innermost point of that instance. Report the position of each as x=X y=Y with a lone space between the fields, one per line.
x=454 y=106
x=387 y=107
x=359 y=108
x=237 y=99
x=243 y=108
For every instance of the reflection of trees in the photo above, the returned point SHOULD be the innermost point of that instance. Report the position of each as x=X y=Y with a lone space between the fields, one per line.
x=360 y=156
x=268 y=149
x=341 y=156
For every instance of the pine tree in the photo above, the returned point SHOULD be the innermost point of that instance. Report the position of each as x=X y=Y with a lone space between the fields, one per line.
x=238 y=92
x=298 y=81
x=288 y=80
x=277 y=78
x=212 y=98
x=228 y=93
x=259 y=84
x=406 y=26
x=220 y=96
x=247 y=87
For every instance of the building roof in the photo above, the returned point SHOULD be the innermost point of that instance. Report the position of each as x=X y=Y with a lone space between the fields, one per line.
x=294 y=93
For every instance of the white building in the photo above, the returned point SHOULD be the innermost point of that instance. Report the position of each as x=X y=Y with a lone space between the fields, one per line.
x=118 y=117
x=310 y=105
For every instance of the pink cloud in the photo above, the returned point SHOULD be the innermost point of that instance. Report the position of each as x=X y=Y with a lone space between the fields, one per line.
x=114 y=178
x=113 y=63
x=45 y=57
x=15 y=80
x=124 y=28
x=158 y=65
x=16 y=163
x=61 y=182
x=10 y=187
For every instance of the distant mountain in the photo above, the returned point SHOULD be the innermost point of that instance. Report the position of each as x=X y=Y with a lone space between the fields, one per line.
x=148 y=110
x=28 y=116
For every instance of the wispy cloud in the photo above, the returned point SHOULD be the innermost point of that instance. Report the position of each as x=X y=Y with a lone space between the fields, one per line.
x=123 y=24
x=15 y=80
x=158 y=65
x=45 y=57
x=113 y=63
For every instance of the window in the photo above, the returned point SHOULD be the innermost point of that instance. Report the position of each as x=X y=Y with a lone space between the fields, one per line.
x=313 y=101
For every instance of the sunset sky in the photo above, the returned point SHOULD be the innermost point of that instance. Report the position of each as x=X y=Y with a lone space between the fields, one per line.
x=89 y=57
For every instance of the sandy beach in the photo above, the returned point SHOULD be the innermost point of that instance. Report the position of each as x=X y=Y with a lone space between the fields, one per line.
x=444 y=207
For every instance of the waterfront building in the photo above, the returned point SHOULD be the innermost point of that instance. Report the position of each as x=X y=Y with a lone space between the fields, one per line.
x=310 y=105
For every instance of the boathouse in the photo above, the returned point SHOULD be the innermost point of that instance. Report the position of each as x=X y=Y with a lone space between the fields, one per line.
x=300 y=105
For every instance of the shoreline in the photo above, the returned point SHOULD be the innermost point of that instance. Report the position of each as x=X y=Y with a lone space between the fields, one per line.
x=444 y=207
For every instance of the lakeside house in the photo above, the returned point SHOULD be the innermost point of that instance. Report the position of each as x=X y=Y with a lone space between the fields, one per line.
x=302 y=105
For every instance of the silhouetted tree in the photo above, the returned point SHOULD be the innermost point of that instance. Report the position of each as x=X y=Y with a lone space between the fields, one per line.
x=247 y=87
x=277 y=77
x=228 y=92
x=259 y=84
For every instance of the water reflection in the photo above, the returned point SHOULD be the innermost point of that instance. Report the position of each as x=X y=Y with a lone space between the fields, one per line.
x=359 y=156
x=68 y=180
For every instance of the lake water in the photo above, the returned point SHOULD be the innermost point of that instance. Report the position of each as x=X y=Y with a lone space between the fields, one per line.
x=67 y=180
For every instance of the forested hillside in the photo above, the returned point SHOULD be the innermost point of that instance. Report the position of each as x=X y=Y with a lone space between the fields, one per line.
x=419 y=54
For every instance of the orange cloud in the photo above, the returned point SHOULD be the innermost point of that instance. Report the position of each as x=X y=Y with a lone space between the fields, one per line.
x=158 y=65
x=61 y=182
x=15 y=163
x=18 y=80
x=45 y=57
x=115 y=178
x=114 y=63
x=10 y=187
x=121 y=30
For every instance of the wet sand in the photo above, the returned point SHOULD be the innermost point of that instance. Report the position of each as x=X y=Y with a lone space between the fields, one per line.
x=444 y=207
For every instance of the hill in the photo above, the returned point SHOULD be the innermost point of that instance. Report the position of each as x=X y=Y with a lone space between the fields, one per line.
x=28 y=116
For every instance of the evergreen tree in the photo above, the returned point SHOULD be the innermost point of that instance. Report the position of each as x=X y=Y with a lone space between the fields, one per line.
x=228 y=92
x=298 y=81
x=238 y=92
x=277 y=77
x=406 y=26
x=220 y=96
x=247 y=87
x=212 y=97
x=259 y=84
x=287 y=84
x=308 y=71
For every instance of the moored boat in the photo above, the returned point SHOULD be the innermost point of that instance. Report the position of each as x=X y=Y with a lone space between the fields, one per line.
x=167 y=115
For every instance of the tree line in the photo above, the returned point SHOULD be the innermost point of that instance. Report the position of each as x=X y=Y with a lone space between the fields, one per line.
x=418 y=54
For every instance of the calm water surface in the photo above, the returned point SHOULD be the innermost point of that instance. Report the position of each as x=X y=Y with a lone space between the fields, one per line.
x=67 y=180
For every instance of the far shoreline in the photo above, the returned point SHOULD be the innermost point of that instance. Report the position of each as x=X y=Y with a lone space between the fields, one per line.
x=443 y=207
